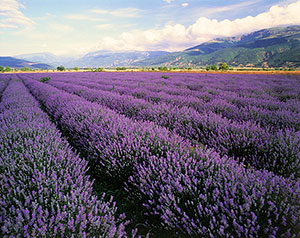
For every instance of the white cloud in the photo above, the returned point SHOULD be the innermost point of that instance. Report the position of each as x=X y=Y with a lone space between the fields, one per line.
x=104 y=26
x=170 y=38
x=121 y=12
x=82 y=17
x=6 y=25
x=12 y=17
x=100 y=11
x=168 y=1
x=177 y=37
x=56 y=27
x=185 y=4
x=277 y=15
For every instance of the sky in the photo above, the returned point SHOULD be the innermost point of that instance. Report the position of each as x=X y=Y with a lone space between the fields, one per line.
x=75 y=27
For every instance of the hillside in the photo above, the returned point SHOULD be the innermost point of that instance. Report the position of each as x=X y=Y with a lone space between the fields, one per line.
x=20 y=63
x=274 y=47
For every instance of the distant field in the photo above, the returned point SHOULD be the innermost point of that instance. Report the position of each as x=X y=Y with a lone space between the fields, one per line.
x=193 y=154
x=235 y=71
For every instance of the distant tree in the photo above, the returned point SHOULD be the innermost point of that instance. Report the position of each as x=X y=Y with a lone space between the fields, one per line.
x=25 y=69
x=61 y=68
x=99 y=69
x=1 y=68
x=121 y=68
x=7 y=69
x=207 y=68
x=224 y=66
x=213 y=67
x=163 y=68
x=76 y=68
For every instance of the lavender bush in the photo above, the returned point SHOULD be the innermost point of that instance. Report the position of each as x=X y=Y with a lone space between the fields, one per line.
x=208 y=196
x=184 y=187
x=3 y=84
x=281 y=118
x=246 y=141
x=44 y=189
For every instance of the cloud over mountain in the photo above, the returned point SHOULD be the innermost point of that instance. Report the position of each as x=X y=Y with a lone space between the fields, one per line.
x=174 y=37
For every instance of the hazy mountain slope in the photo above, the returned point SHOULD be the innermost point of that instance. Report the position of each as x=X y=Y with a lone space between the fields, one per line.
x=102 y=58
x=47 y=58
x=105 y=58
x=20 y=63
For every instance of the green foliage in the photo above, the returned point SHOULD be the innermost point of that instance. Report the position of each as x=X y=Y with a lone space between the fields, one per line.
x=164 y=77
x=1 y=69
x=213 y=67
x=224 y=66
x=7 y=69
x=163 y=68
x=61 y=68
x=76 y=68
x=45 y=79
x=25 y=69
x=99 y=70
x=121 y=68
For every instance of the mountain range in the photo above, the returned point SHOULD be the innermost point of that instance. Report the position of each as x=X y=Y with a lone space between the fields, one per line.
x=20 y=63
x=102 y=58
x=274 y=47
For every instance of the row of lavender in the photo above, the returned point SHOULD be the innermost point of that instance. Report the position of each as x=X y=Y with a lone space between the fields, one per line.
x=3 y=83
x=268 y=113
x=43 y=186
x=237 y=89
x=186 y=188
x=277 y=151
x=219 y=101
x=259 y=86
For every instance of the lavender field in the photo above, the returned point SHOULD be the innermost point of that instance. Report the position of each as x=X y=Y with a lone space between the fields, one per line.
x=99 y=154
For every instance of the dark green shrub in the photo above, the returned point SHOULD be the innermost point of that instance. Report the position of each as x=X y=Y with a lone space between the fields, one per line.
x=44 y=79
x=121 y=68
x=61 y=68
